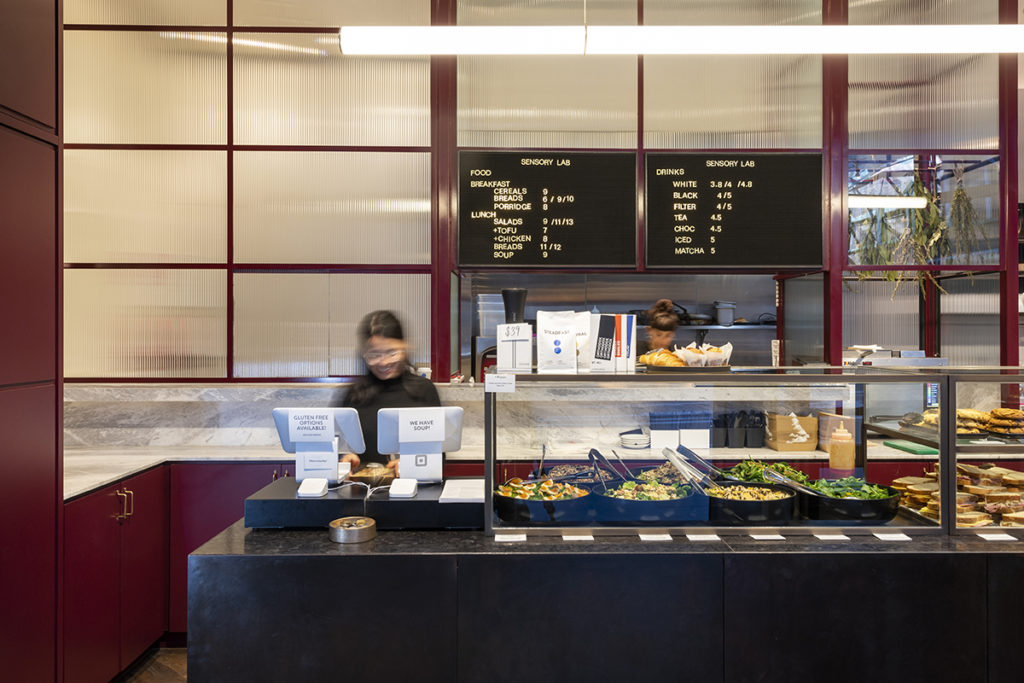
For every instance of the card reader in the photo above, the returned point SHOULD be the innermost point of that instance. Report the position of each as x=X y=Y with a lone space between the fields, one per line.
x=403 y=487
x=313 y=487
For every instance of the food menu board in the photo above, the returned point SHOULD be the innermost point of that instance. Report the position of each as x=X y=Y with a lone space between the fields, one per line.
x=734 y=210
x=547 y=209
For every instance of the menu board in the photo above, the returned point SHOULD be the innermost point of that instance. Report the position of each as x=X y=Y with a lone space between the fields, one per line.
x=734 y=210
x=547 y=209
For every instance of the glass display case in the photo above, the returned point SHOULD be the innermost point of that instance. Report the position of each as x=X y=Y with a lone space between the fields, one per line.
x=988 y=448
x=740 y=450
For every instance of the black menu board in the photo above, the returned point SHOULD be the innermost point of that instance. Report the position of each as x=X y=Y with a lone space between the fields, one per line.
x=742 y=210
x=547 y=209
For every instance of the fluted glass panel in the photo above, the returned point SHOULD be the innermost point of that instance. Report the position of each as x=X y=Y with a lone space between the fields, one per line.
x=924 y=12
x=145 y=323
x=145 y=206
x=805 y=320
x=298 y=89
x=731 y=13
x=332 y=13
x=281 y=324
x=164 y=87
x=969 y=320
x=332 y=207
x=876 y=312
x=924 y=101
x=355 y=295
x=545 y=12
x=728 y=102
x=544 y=101
x=958 y=224
x=152 y=12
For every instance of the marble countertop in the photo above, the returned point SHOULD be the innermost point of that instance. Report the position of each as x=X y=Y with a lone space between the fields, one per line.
x=89 y=469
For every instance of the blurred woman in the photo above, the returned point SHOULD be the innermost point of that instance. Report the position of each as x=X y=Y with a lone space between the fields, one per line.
x=388 y=383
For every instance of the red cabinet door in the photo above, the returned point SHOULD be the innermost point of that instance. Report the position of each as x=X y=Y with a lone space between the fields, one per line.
x=205 y=500
x=28 y=540
x=92 y=587
x=144 y=564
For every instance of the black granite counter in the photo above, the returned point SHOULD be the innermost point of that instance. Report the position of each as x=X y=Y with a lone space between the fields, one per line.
x=271 y=605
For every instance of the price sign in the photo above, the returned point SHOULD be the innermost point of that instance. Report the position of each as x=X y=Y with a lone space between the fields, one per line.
x=547 y=209
x=734 y=210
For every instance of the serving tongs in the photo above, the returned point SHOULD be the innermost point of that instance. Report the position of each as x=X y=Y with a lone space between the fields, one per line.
x=780 y=478
x=597 y=458
x=691 y=455
x=689 y=472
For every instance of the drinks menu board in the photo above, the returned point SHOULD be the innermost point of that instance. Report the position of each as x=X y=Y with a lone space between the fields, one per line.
x=740 y=210
x=547 y=209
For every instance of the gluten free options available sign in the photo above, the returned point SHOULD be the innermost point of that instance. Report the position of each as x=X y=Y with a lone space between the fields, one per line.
x=310 y=425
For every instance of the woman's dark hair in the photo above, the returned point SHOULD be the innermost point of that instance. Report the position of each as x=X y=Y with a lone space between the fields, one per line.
x=378 y=324
x=663 y=316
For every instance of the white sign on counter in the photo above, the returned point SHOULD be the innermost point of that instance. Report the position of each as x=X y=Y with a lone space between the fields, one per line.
x=499 y=383
x=426 y=425
x=310 y=425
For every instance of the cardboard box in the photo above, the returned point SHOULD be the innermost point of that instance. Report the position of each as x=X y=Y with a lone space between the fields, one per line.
x=829 y=422
x=780 y=430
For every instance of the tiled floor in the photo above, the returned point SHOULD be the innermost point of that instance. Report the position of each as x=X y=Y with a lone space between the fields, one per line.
x=163 y=665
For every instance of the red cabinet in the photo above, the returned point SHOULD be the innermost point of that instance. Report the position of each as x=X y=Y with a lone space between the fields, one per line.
x=144 y=564
x=206 y=498
x=115 y=576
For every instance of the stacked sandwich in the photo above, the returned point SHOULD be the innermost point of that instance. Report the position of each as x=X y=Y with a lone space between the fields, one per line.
x=986 y=495
x=971 y=421
x=1006 y=421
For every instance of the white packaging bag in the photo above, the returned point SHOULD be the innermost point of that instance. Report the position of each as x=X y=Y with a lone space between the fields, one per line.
x=556 y=342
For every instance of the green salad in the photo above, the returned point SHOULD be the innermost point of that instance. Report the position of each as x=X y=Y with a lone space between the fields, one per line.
x=851 y=487
x=635 y=490
x=753 y=471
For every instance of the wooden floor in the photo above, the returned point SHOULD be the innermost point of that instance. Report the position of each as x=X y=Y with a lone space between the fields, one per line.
x=161 y=665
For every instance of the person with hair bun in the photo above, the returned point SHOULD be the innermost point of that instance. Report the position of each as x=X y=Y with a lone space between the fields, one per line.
x=388 y=383
x=663 y=319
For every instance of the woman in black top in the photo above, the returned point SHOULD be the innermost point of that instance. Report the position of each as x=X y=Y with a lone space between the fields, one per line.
x=389 y=383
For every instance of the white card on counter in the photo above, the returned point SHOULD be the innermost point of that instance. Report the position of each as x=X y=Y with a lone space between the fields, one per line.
x=832 y=537
x=891 y=537
x=655 y=537
x=577 y=537
x=510 y=538
x=695 y=439
x=996 y=536
x=768 y=537
x=499 y=383
x=703 y=537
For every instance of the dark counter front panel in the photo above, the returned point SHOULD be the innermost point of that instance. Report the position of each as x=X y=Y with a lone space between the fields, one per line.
x=855 y=617
x=300 y=618
x=590 y=617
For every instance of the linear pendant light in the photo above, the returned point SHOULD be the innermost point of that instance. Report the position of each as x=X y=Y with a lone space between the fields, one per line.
x=862 y=201
x=681 y=40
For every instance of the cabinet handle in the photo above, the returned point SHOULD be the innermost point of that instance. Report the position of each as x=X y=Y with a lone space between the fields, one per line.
x=130 y=501
x=124 y=505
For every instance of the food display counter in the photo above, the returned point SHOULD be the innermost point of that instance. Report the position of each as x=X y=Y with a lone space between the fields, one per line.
x=607 y=453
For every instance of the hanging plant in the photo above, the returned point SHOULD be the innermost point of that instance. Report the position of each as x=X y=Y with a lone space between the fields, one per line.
x=925 y=241
x=963 y=219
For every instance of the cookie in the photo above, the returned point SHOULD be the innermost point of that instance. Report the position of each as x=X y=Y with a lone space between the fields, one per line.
x=1007 y=414
x=972 y=414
